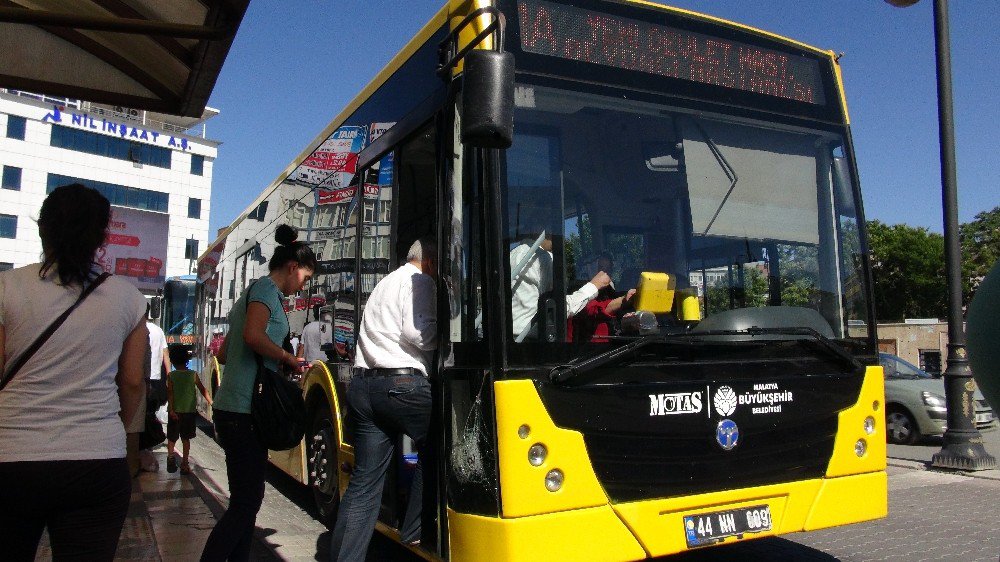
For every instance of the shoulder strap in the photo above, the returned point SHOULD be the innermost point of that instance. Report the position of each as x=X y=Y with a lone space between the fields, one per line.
x=28 y=353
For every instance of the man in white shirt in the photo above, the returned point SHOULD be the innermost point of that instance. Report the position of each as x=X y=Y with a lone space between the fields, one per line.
x=158 y=357
x=314 y=335
x=390 y=389
x=535 y=278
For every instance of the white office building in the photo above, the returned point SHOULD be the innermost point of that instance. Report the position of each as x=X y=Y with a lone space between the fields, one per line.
x=155 y=169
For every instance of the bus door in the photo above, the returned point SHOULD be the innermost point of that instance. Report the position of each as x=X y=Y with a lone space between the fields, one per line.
x=398 y=205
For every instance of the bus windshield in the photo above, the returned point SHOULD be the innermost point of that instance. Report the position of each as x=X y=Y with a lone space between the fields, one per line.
x=742 y=214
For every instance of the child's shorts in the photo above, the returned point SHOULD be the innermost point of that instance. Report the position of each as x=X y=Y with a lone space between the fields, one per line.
x=183 y=426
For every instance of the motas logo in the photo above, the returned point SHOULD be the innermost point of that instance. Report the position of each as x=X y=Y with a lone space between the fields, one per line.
x=676 y=403
x=724 y=401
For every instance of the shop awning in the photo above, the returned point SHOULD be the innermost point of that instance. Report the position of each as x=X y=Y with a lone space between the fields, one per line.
x=162 y=56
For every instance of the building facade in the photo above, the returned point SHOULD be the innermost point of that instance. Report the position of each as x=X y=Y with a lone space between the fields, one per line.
x=155 y=169
x=923 y=342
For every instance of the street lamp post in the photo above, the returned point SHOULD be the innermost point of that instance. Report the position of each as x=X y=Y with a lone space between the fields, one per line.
x=963 y=444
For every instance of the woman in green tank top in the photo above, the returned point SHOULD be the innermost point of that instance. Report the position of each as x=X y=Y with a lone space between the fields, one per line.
x=257 y=327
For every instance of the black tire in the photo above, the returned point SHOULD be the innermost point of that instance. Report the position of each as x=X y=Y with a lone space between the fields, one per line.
x=900 y=427
x=322 y=460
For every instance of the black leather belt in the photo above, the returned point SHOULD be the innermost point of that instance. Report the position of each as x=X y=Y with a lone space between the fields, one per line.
x=388 y=372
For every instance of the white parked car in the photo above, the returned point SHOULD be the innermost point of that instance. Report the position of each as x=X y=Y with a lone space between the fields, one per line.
x=915 y=403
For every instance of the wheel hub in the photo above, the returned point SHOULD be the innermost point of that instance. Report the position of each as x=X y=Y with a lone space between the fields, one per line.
x=319 y=461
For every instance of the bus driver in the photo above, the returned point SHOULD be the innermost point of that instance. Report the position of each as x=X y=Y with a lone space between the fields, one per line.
x=532 y=277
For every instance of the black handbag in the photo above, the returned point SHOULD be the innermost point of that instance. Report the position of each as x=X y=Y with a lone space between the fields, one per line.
x=277 y=408
x=153 y=433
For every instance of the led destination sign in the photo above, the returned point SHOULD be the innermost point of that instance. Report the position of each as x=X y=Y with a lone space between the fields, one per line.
x=598 y=38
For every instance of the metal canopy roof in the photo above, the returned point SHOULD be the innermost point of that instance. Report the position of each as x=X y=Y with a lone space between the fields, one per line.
x=158 y=55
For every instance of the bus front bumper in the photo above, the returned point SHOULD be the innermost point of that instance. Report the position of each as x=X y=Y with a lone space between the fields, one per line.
x=637 y=530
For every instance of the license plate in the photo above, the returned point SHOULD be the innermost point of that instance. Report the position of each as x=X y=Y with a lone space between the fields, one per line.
x=707 y=528
x=985 y=417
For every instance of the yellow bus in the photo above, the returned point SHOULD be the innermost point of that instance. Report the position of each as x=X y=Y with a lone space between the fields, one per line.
x=734 y=394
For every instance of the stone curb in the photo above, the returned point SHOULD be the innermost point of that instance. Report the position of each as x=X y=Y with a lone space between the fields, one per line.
x=993 y=474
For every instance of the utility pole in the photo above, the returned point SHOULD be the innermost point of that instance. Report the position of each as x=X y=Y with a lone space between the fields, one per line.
x=963 y=444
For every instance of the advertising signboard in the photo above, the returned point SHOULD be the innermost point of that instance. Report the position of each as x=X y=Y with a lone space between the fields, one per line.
x=136 y=247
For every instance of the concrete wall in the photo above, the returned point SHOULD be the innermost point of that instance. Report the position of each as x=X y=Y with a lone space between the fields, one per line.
x=907 y=340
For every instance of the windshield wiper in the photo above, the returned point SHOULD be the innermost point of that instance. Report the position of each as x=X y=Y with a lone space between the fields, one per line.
x=562 y=373
x=825 y=342
x=727 y=169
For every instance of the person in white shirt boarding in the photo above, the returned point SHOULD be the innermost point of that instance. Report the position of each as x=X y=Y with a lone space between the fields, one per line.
x=389 y=394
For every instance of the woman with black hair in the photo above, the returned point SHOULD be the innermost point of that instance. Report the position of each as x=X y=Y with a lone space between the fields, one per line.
x=258 y=326
x=63 y=413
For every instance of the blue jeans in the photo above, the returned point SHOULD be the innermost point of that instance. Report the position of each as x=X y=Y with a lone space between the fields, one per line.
x=382 y=408
x=246 y=467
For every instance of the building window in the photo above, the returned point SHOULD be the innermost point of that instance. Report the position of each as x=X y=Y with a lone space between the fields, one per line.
x=259 y=212
x=8 y=226
x=11 y=178
x=930 y=361
x=112 y=147
x=197 y=164
x=191 y=249
x=15 y=127
x=6 y=266
x=117 y=194
x=194 y=208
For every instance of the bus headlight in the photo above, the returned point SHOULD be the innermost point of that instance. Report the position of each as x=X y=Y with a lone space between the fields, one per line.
x=554 y=480
x=524 y=431
x=537 y=454
x=869 y=425
x=860 y=447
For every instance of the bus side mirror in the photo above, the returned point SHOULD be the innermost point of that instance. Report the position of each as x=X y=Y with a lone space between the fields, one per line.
x=155 y=306
x=488 y=99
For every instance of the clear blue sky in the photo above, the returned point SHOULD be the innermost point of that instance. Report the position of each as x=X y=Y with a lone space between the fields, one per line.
x=296 y=63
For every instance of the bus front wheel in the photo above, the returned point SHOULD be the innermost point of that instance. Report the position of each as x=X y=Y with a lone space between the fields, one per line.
x=323 y=476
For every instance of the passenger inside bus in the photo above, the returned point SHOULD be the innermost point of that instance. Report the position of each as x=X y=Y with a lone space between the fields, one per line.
x=531 y=284
x=599 y=317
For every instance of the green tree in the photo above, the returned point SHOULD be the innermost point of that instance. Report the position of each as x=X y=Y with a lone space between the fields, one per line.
x=980 y=239
x=799 y=274
x=908 y=270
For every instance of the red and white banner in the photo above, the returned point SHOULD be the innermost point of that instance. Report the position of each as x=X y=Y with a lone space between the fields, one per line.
x=136 y=247
x=333 y=196
x=332 y=161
